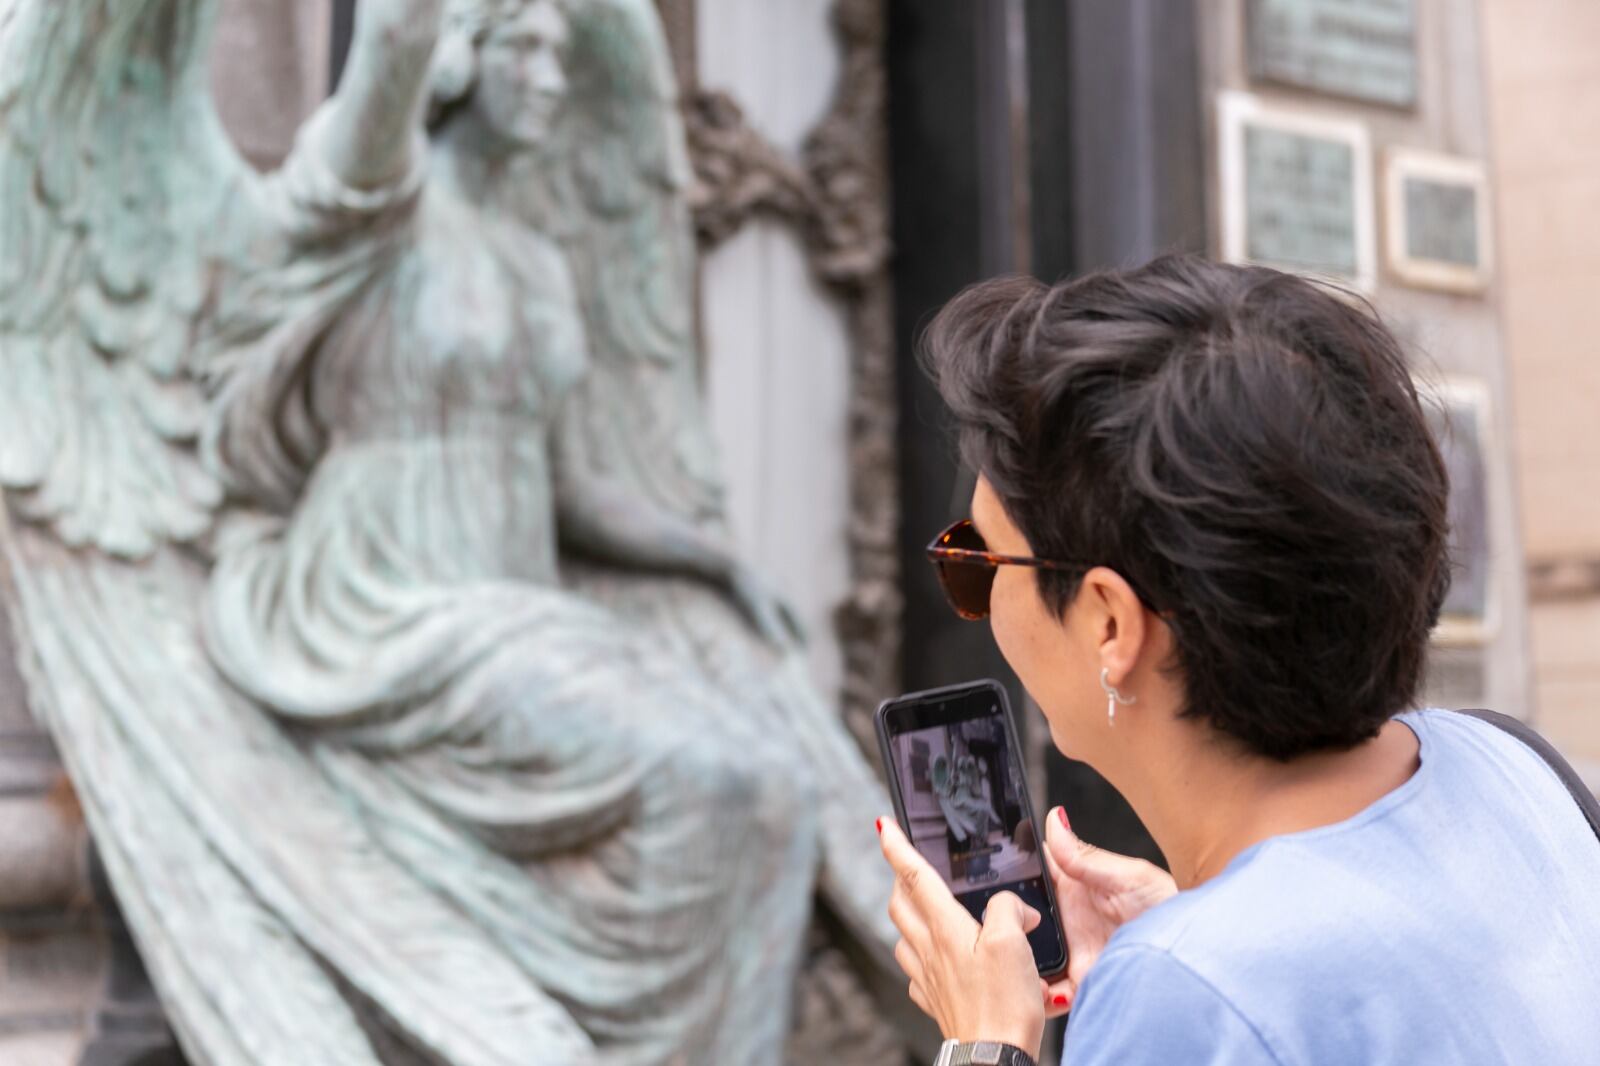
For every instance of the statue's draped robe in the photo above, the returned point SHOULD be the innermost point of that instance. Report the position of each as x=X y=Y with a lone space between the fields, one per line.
x=641 y=837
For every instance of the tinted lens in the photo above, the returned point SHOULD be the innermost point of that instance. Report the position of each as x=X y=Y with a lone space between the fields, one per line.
x=966 y=586
x=963 y=535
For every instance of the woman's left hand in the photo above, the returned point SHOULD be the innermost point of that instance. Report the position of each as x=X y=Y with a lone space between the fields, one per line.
x=979 y=982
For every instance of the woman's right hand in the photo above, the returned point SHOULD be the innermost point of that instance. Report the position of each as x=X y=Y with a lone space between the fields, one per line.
x=1096 y=891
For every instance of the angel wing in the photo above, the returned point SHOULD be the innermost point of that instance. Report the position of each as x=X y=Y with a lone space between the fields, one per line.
x=277 y=926
x=613 y=191
x=114 y=166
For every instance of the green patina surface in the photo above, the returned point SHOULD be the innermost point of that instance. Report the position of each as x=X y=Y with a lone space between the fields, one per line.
x=365 y=541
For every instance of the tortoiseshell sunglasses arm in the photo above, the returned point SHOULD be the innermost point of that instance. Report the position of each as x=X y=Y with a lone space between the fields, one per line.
x=966 y=555
x=937 y=550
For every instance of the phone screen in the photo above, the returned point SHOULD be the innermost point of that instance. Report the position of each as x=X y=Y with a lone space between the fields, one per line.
x=956 y=769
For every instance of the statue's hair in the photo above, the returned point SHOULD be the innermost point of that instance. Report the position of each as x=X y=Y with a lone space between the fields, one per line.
x=467 y=24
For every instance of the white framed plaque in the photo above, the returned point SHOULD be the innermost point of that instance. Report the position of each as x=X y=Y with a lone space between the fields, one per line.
x=1437 y=230
x=1458 y=414
x=1296 y=191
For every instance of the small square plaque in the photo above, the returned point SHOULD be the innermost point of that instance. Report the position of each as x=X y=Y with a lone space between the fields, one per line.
x=1296 y=191
x=1361 y=49
x=1436 y=221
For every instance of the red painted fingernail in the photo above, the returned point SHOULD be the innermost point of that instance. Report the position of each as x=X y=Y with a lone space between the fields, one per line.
x=1061 y=1001
x=1061 y=812
x=878 y=824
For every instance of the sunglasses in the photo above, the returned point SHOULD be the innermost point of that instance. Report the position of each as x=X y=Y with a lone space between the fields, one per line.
x=967 y=568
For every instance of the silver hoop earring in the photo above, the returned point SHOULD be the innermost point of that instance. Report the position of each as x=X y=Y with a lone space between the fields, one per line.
x=1113 y=697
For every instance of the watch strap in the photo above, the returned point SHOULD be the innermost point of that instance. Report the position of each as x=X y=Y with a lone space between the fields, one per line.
x=982 y=1053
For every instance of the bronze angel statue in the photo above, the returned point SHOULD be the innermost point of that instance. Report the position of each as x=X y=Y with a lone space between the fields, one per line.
x=365 y=543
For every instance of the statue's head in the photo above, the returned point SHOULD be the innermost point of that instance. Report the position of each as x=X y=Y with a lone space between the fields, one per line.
x=504 y=59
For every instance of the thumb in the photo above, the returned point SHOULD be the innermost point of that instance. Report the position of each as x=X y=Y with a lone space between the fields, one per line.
x=1096 y=868
x=1062 y=845
x=1006 y=911
x=1103 y=870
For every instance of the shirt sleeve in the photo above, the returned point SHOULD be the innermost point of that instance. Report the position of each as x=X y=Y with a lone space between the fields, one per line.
x=1139 y=1006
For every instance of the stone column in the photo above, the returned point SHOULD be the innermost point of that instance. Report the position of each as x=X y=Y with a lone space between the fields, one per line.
x=269 y=69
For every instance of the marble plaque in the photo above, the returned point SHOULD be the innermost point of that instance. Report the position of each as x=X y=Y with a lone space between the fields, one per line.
x=1458 y=416
x=1297 y=192
x=1437 y=230
x=1361 y=49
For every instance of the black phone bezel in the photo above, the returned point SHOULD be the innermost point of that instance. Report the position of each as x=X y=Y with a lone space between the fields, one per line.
x=940 y=706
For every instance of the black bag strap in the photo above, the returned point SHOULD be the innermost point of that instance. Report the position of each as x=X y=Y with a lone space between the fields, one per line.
x=1545 y=750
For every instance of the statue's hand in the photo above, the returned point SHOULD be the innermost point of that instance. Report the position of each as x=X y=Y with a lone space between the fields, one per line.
x=770 y=615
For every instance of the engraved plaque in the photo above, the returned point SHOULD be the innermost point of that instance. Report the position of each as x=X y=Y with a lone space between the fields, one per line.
x=1361 y=49
x=1299 y=196
x=1437 y=221
x=1458 y=417
x=1441 y=221
x=1297 y=192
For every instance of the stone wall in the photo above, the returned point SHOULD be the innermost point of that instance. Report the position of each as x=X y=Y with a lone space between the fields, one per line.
x=1544 y=96
x=1451 y=336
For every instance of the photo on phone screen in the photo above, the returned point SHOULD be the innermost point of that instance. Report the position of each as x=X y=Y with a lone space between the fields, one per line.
x=963 y=802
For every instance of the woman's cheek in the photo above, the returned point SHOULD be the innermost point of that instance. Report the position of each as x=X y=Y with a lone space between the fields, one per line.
x=1034 y=643
x=1009 y=623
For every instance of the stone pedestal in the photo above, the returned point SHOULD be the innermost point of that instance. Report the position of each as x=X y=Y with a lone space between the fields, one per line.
x=50 y=954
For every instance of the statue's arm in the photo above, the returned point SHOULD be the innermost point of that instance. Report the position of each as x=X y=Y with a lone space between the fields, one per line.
x=369 y=136
x=600 y=519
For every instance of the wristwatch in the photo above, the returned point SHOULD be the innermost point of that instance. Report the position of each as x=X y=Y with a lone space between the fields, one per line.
x=982 y=1053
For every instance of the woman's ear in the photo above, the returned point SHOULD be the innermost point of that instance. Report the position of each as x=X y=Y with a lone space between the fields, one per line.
x=1118 y=619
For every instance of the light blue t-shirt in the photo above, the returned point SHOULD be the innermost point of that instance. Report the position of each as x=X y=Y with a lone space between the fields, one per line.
x=1456 y=920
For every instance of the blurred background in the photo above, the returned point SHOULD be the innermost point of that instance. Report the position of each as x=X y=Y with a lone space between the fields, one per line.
x=860 y=161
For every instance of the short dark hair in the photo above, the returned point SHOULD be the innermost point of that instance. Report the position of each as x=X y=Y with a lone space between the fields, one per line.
x=1246 y=448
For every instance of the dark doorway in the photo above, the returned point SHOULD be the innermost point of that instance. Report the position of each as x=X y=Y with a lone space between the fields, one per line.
x=1049 y=137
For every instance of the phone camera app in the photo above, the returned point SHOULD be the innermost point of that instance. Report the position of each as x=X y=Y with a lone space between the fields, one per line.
x=964 y=803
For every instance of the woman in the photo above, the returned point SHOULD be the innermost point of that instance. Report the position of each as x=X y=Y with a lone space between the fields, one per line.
x=1238 y=463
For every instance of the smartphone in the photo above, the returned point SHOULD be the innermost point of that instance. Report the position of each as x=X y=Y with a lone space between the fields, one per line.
x=955 y=775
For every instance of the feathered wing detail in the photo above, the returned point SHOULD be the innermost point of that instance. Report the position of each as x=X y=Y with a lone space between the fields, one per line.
x=613 y=189
x=276 y=927
x=112 y=170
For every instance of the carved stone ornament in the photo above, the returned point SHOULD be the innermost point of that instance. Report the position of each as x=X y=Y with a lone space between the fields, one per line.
x=837 y=198
x=364 y=543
